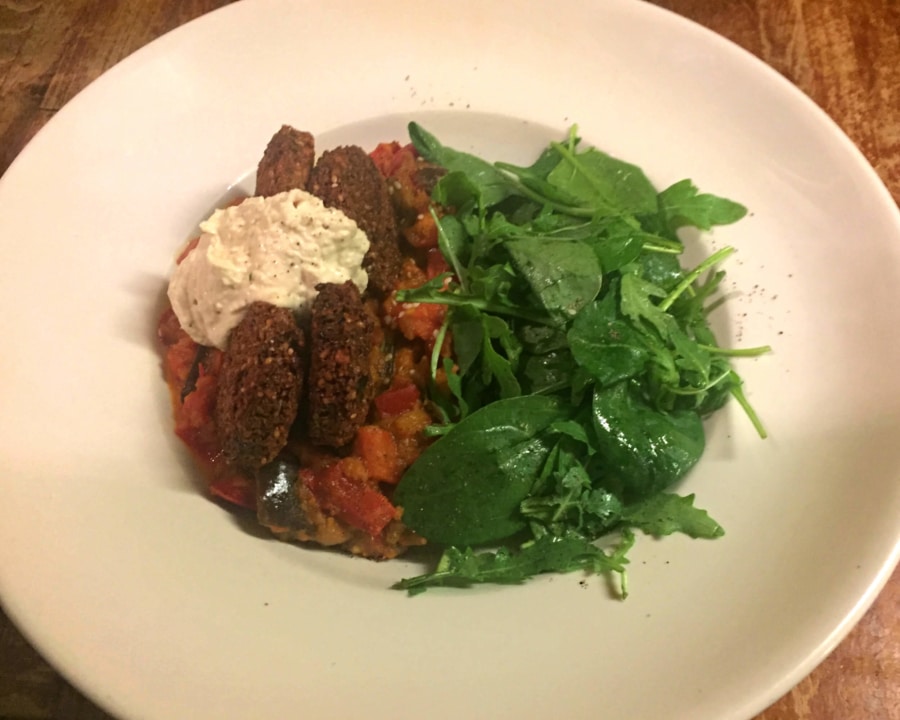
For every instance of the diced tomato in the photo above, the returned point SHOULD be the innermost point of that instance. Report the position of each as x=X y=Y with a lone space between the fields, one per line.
x=435 y=264
x=179 y=359
x=421 y=320
x=375 y=446
x=397 y=400
x=193 y=420
x=235 y=489
x=411 y=275
x=197 y=408
x=423 y=232
x=168 y=330
x=384 y=157
x=415 y=320
x=344 y=490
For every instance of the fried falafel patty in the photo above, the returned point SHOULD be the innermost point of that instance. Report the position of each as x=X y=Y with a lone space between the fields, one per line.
x=286 y=162
x=341 y=384
x=260 y=386
x=347 y=179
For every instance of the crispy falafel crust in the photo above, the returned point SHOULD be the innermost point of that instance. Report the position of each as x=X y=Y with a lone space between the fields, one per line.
x=286 y=162
x=340 y=382
x=347 y=179
x=260 y=386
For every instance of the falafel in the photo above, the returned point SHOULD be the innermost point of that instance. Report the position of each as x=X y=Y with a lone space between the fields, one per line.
x=286 y=163
x=260 y=386
x=347 y=179
x=341 y=383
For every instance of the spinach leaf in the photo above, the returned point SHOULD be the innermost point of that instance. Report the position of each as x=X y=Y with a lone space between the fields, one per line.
x=534 y=178
x=645 y=450
x=538 y=170
x=466 y=488
x=457 y=190
x=616 y=243
x=540 y=339
x=661 y=269
x=607 y=346
x=492 y=184
x=611 y=186
x=563 y=274
x=549 y=372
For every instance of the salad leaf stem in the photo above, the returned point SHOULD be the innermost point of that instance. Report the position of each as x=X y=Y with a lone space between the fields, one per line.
x=459 y=300
x=579 y=211
x=737 y=391
x=657 y=246
x=446 y=248
x=689 y=279
x=737 y=352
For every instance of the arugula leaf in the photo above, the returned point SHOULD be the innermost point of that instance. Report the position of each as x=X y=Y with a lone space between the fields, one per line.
x=467 y=327
x=497 y=366
x=564 y=554
x=454 y=384
x=681 y=204
x=567 y=499
x=466 y=488
x=616 y=242
x=637 y=303
x=667 y=513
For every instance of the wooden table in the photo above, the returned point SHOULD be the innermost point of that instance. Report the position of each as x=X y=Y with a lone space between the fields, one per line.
x=844 y=53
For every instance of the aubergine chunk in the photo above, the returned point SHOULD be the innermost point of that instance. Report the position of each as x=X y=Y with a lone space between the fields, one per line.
x=278 y=505
x=286 y=163
x=347 y=179
x=341 y=385
x=260 y=386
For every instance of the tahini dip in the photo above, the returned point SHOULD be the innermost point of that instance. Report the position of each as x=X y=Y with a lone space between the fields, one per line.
x=274 y=249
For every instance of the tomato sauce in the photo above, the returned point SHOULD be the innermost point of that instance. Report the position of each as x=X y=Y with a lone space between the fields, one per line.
x=351 y=489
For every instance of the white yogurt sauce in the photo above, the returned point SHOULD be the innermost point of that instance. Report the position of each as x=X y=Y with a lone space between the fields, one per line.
x=274 y=249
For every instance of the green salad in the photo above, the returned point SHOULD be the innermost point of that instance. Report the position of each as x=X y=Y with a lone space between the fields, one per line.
x=583 y=365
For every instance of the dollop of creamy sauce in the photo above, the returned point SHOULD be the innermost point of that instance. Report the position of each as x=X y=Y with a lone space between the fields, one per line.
x=274 y=249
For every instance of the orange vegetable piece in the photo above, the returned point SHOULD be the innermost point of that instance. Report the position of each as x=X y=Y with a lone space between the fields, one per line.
x=378 y=451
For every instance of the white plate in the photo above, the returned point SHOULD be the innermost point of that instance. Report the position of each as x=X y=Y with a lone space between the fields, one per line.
x=160 y=605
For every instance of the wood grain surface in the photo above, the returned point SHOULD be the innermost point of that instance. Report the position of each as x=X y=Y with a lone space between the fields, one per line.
x=845 y=54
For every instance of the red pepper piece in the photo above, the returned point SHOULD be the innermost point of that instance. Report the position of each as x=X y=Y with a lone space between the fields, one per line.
x=344 y=490
x=397 y=400
x=235 y=489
